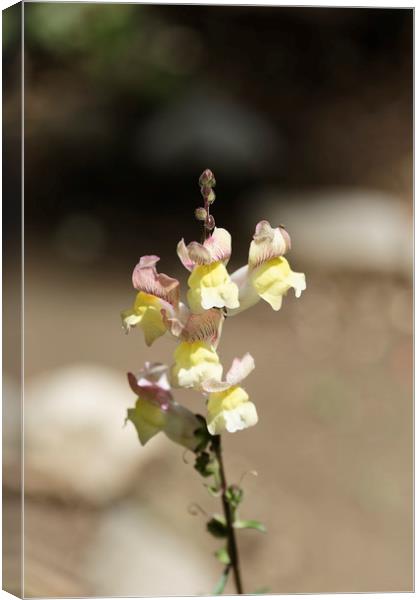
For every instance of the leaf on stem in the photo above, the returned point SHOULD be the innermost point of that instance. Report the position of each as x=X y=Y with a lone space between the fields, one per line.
x=213 y=490
x=221 y=584
x=223 y=555
x=250 y=524
x=234 y=496
x=217 y=527
x=205 y=464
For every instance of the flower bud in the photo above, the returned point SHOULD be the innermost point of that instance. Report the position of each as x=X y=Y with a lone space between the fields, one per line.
x=207 y=178
x=200 y=213
x=211 y=197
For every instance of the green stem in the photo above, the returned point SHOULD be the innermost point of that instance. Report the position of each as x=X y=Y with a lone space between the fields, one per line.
x=232 y=546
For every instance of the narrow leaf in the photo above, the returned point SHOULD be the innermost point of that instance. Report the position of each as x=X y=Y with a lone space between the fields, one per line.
x=221 y=584
x=251 y=524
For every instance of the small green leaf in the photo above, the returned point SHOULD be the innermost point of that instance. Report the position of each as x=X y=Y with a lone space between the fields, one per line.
x=213 y=490
x=221 y=584
x=205 y=464
x=234 y=495
x=251 y=524
x=217 y=527
x=223 y=555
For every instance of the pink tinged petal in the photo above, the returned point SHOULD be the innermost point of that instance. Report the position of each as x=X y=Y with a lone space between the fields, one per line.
x=175 y=319
x=241 y=368
x=219 y=245
x=184 y=256
x=155 y=388
x=205 y=326
x=147 y=279
x=199 y=254
x=132 y=382
x=287 y=238
x=268 y=242
x=216 y=248
x=154 y=373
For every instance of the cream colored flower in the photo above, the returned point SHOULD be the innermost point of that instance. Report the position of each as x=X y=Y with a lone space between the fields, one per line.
x=210 y=286
x=157 y=292
x=194 y=362
x=268 y=274
x=228 y=406
x=157 y=411
x=209 y=283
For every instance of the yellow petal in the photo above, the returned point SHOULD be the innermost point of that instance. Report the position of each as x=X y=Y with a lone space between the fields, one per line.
x=274 y=278
x=146 y=313
x=195 y=362
x=230 y=410
x=211 y=287
x=147 y=418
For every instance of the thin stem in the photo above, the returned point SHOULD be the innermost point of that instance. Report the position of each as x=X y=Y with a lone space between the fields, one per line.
x=232 y=546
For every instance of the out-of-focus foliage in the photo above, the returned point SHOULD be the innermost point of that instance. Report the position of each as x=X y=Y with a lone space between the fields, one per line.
x=116 y=45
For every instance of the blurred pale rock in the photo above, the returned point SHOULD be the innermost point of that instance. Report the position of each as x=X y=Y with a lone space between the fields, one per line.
x=350 y=228
x=76 y=445
x=137 y=553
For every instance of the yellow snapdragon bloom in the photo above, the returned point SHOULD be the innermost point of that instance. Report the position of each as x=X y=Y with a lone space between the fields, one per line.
x=210 y=286
x=156 y=411
x=209 y=282
x=230 y=410
x=228 y=405
x=194 y=362
x=274 y=278
x=268 y=274
x=146 y=313
x=156 y=292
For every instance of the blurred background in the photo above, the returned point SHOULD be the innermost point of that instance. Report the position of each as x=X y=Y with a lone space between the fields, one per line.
x=305 y=117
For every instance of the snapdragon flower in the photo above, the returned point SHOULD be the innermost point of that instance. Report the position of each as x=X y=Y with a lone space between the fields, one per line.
x=228 y=406
x=156 y=292
x=209 y=282
x=157 y=411
x=194 y=363
x=268 y=274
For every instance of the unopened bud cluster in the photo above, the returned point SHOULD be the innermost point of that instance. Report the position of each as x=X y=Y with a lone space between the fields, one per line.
x=206 y=181
x=200 y=213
